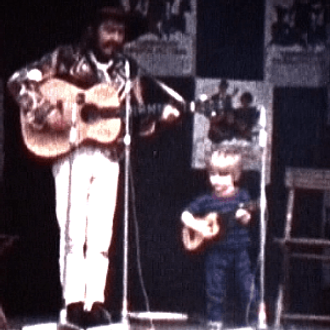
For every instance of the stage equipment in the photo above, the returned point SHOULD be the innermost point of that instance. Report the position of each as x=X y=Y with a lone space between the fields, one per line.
x=125 y=315
x=302 y=247
x=262 y=317
x=127 y=142
x=6 y=244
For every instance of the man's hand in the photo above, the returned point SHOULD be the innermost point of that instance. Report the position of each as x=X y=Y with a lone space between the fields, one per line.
x=57 y=122
x=170 y=113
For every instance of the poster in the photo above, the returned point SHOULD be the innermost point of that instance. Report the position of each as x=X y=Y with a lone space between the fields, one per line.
x=2 y=133
x=297 y=42
x=260 y=94
x=167 y=48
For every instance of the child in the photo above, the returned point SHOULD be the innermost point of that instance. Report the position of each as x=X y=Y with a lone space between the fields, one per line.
x=228 y=254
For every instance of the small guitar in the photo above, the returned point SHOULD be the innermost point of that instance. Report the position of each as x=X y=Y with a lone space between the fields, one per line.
x=194 y=241
x=98 y=117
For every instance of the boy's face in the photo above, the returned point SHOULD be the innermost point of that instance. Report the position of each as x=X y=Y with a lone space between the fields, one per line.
x=222 y=182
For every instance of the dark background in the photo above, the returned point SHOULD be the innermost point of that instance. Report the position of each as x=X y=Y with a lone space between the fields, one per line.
x=229 y=45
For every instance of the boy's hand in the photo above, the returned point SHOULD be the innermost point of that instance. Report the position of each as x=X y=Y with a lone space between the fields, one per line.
x=243 y=216
x=205 y=228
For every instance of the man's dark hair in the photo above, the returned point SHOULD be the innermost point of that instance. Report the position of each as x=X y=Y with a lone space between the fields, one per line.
x=135 y=24
x=117 y=14
x=223 y=83
x=247 y=96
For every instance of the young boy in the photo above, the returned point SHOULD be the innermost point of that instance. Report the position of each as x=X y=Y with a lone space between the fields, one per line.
x=228 y=252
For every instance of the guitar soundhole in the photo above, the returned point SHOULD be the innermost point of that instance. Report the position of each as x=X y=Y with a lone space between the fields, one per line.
x=89 y=113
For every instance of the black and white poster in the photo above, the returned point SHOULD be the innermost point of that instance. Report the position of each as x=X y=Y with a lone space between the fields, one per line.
x=236 y=96
x=297 y=42
x=2 y=133
x=167 y=48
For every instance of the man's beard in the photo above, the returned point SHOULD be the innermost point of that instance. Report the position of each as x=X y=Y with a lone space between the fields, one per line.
x=107 y=50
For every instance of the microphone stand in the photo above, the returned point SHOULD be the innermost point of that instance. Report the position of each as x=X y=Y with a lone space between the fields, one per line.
x=127 y=143
x=262 y=316
x=72 y=141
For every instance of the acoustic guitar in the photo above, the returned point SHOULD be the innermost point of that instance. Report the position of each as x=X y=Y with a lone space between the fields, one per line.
x=98 y=117
x=195 y=241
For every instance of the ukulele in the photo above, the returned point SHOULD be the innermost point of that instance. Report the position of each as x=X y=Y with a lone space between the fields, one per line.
x=195 y=241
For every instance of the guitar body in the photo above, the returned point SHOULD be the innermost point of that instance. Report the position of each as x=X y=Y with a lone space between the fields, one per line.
x=194 y=241
x=104 y=130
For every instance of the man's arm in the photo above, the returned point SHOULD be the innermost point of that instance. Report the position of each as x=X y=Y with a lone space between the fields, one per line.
x=24 y=84
x=168 y=114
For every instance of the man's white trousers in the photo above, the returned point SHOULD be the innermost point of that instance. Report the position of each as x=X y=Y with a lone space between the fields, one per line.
x=86 y=193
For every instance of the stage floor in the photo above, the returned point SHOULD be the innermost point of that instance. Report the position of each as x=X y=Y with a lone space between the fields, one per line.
x=45 y=323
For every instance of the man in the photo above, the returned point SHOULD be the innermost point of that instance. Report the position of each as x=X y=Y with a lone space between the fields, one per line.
x=246 y=118
x=223 y=99
x=222 y=116
x=86 y=179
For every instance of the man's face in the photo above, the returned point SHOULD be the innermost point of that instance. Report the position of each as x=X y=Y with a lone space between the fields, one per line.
x=110 y=37
x=222 y=89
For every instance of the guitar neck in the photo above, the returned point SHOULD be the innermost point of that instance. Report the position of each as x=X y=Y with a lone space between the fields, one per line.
x=90 y=112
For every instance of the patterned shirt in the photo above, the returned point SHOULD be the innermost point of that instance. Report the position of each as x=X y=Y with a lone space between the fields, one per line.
x=80 y=68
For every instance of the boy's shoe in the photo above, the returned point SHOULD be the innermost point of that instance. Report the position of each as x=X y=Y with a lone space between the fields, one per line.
x=214 y=325
x=97 y=316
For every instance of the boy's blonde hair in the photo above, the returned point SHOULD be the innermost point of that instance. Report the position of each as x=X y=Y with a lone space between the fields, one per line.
x=227 y=159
